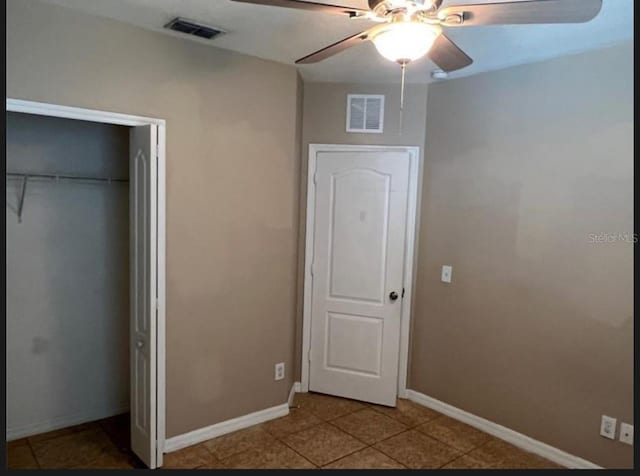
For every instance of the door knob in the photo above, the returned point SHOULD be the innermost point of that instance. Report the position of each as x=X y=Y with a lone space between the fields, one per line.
x=393 y=296
x=140 y=344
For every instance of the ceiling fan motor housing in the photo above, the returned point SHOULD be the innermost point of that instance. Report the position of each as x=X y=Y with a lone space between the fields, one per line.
x=385 y=7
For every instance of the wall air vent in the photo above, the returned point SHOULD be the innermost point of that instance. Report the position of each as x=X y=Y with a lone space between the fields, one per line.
x=189 y=27
x=365 y=113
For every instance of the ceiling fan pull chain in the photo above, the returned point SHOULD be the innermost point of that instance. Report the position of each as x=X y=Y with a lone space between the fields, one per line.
x=404 y=67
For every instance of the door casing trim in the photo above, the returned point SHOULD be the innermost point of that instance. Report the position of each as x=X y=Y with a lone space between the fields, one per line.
x=106 y=117
x=415 y=170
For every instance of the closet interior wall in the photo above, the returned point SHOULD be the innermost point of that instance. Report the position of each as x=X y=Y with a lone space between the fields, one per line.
x=67 y=274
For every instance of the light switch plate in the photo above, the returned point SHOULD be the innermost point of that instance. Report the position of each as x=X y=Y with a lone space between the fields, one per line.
x=446 y=274
x=608 y=427
x=626 y=433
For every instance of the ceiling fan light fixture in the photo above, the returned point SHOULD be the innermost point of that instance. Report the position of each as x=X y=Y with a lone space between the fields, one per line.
x=404 y=42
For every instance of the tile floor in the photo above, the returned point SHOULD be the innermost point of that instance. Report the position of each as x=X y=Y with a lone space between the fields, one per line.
x=320 y=432
x=97 y=445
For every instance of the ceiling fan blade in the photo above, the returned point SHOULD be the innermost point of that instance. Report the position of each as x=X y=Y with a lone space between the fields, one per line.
x=335 y=48
x=314 y=7
x=446 y=54
x=526 y=12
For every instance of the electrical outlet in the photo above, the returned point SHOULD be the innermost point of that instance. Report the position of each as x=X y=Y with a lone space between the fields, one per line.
x=626 y=433
x=447 y=271
x=608 y=427
x=279 y=371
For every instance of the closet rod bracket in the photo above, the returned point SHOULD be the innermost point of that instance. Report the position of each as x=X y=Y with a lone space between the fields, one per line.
x=57 y=178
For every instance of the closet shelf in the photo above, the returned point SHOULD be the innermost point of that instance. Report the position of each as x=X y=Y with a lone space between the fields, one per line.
x=26 y=176
x=66 y=177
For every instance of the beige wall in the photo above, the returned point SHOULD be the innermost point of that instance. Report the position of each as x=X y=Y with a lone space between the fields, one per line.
x=325 y=110
x=536 y=330
x=232 y=181
x=324 y=122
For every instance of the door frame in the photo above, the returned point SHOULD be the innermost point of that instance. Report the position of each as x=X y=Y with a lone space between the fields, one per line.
x=415 y=169
x=159 y=206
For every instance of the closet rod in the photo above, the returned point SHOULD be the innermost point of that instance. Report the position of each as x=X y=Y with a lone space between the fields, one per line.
x=65 y=177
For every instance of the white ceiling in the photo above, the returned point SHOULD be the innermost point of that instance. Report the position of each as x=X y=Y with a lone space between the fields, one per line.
x=284 y=35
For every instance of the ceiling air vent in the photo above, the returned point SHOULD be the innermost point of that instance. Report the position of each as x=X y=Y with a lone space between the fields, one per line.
x=365 y=113
x=190 y=27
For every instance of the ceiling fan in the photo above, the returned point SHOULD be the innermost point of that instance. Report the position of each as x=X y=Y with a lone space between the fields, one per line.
x=410 y=29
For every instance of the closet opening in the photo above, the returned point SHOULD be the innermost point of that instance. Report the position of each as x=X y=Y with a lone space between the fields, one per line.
x=85 y=286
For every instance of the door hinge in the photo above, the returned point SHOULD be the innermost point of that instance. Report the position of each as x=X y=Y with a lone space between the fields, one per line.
x=402 y=292
x=315 y=178
x=313 y=266
x=309 y=355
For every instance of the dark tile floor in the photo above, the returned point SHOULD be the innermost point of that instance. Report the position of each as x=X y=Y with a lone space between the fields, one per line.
x=320 y=432
x=101 y=445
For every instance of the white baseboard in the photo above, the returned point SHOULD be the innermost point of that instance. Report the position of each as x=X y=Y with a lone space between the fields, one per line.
x=295 y=388
x=203 y=434
x=65 y=421
x=517 y=439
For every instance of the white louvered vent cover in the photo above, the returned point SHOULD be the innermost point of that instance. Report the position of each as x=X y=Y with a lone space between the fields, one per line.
x=365 y=113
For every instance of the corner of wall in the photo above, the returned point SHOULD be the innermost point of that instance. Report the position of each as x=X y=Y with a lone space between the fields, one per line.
x=297 y=330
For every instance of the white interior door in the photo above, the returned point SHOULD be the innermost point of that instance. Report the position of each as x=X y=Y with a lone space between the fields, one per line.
x=143 y=256
x=358 y=263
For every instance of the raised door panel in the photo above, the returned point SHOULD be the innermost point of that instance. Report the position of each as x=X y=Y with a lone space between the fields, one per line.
x=357 y=249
